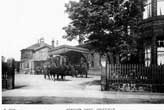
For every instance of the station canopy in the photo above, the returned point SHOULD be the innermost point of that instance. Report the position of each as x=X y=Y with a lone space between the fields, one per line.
x=66 y=50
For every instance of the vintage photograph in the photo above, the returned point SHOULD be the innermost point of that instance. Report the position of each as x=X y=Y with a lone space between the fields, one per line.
x=83 y=52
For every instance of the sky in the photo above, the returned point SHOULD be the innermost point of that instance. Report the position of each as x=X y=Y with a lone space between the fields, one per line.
x=23 y=22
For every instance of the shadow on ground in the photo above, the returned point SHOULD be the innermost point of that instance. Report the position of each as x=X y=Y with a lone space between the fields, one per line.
x=62 y=80
x=16 y=87
x=94 y=82
x=20 y=86
x=69 y=100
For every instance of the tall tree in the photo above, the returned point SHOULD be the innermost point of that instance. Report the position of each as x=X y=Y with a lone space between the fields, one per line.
x=111 y=26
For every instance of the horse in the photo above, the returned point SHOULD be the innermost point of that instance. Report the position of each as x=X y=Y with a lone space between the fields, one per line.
x=46 y=71
x=82 y=69
x=57 y=71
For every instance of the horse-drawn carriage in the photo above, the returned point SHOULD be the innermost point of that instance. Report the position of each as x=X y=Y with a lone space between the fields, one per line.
x=59 y=67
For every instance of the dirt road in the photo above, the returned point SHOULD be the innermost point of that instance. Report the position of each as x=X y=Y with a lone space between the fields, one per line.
x=33 y=89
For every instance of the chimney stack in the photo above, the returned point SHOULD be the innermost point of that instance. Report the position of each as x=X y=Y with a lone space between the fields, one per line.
x=57 y=42
x=41 y=41
x=53 y=44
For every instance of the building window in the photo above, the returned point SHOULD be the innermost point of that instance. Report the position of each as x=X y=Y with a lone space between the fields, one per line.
x=148 y=9
x=26 y=65
x=160 y=55
x=160 y=7
x=160 y=52
x=147 y=56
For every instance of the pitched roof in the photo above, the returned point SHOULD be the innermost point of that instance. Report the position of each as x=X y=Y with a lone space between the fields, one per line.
x=67 y=48
x=37 y=46
x=34 y=46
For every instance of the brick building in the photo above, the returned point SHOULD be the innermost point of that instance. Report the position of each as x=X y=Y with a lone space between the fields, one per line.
x=153 y=33
x=37 y=54
x=33 y=54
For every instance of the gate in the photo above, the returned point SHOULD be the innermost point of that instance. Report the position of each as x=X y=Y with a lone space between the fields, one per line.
x=8 y=74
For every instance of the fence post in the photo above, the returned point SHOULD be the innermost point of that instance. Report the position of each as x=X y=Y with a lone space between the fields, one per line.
x=4 y=74
x=103 y=73
x=10 y=73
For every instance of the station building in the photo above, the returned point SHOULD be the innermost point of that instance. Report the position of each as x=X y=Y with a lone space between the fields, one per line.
x=37 y=54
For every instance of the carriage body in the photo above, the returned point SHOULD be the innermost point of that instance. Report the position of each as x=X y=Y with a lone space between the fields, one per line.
x=61 y=66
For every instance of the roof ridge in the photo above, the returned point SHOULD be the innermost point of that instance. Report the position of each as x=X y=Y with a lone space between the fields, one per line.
x=37 y=46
